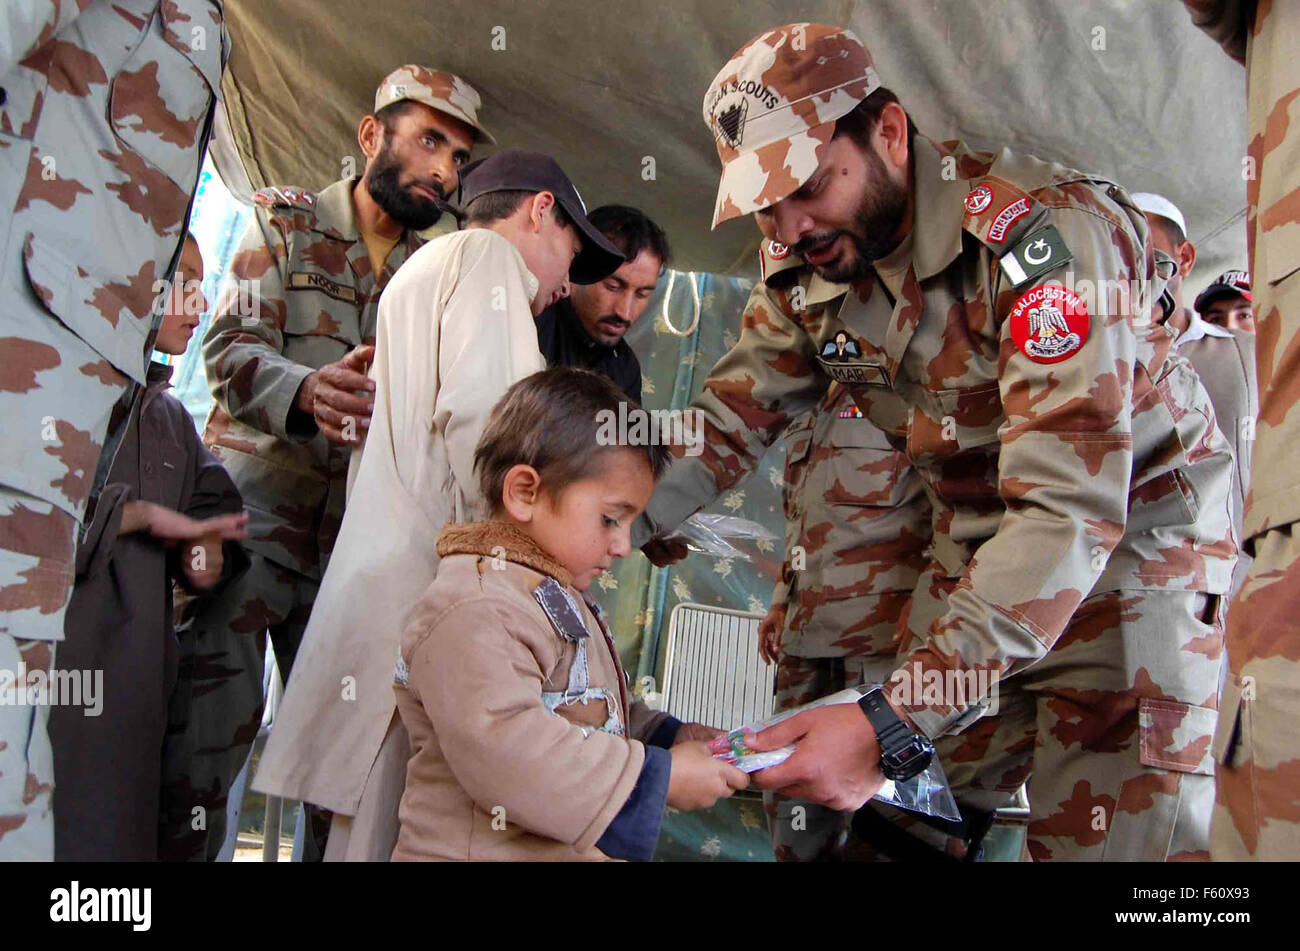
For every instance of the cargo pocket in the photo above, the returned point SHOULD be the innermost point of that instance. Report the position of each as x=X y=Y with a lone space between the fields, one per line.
x=92 y=309
x=160 y=98
x=976 y=413
x=1176 y=736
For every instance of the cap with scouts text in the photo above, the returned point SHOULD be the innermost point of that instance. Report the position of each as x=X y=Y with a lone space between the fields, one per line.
x=1228 y=284
x=437 y=89
x=516 y=170
x=772 y=110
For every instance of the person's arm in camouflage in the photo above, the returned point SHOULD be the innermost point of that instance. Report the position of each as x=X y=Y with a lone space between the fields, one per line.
x=243 y=350
x=27 y=25
x=770 y=376
x=1064 y=475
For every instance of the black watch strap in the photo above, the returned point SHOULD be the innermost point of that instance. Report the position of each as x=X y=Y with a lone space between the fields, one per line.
x=903 y=752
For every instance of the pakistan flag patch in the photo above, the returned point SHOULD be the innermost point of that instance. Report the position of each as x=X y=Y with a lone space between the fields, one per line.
x=1037 y=253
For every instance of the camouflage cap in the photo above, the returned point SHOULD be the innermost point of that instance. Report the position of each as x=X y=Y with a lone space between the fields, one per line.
x=437 y=89
x=772 y=110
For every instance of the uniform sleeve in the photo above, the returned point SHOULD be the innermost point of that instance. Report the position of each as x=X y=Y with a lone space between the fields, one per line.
x=1227 y=22
x=1064 y=472
x=243 y=350
x=770 y=376
x=487 y=341
x=26 y=25
x=482 y=686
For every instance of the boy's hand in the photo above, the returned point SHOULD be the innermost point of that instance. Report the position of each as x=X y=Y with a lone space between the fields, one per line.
x=770 y=630
x=202 y=562
x=693 y=732
x=698 y=780
x=171 y=526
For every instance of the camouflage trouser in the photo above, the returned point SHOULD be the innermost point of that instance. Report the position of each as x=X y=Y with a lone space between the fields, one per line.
x=804 y=831
x=1257 y=746
x=216 y=709
x=37 y=543
x=1111 y=729
x=26 y=760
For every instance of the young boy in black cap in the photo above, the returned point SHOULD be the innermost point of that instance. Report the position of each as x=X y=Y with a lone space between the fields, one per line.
x=455 y=330
x=1227 y=302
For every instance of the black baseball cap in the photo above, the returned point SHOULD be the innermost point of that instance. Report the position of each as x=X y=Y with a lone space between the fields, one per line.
x=516 y=170
x=1234 y=283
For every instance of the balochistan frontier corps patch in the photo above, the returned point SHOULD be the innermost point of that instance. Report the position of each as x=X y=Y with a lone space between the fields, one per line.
x=1049 y=323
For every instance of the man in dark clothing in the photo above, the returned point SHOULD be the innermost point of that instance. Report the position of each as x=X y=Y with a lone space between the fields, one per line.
x=586 y=329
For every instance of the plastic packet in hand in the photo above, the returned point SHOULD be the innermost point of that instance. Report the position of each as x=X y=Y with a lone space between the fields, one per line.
x=713 y=534
x=927 y=793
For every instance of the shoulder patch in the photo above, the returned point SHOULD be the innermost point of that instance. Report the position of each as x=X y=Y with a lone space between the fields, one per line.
x=1037 y=253
x=281 y=197
x=774 y=257
x=995 y=209
x=1049 y=323
x=560 y=609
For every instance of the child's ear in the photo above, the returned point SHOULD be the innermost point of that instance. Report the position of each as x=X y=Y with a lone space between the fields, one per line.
x=520 y=490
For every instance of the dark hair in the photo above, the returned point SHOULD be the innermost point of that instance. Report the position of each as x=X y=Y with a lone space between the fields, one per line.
x=861 y=122
x=494 y=206
x=631 y=231
x=550 y=421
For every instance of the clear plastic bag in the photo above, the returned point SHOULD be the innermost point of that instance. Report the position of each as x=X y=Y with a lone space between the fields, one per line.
x=713 y=535
x=926 y=793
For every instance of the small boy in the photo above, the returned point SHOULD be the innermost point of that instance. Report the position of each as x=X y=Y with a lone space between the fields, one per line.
x=525 y=743
x=168 y=512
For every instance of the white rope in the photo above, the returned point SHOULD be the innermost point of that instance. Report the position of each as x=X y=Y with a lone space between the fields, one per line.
x=695 y=299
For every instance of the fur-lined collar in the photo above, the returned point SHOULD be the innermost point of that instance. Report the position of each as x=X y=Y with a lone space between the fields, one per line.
x=489 y=539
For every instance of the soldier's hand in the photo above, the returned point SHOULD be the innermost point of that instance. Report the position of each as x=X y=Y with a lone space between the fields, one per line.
x=770 y=630
x=836 y=761
x=696 y=732
x=340 y=413
x=662 y=552
x=698 y=780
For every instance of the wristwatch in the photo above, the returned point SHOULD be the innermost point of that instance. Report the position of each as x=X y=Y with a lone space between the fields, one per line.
x=903 y=752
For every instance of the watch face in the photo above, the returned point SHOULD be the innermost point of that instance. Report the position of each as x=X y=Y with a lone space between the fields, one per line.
x=909 y=761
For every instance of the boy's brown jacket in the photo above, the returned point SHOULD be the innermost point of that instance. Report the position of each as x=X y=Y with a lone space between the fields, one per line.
x=494 y=773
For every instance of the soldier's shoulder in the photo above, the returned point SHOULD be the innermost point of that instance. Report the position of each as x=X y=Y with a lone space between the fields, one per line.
x=1014 y=193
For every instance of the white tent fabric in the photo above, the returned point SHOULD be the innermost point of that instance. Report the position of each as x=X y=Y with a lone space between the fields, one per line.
x=1125 y=88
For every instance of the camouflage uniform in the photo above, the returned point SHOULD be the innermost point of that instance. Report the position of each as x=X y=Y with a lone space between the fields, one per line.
x=303 y=296
x=857 y=525
x=1081 y=517
x=1257 y=813
x=105 y=110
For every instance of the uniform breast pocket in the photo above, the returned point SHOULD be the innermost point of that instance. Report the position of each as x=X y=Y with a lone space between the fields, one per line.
x=971 y=415
x=863 y=468
x=161 y=96
x=321 y=305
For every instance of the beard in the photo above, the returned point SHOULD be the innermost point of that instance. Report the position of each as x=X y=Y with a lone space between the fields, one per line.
x=412 y=212
x=877 y=219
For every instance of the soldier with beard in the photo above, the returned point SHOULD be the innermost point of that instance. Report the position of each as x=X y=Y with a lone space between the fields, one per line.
x=286 y=356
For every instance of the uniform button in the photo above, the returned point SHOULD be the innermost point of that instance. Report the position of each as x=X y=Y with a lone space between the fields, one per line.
x=4 y=96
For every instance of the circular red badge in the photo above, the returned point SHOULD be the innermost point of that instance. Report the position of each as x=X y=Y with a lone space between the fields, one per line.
x=980 y=197
x=1049 y=323
x=776 y=250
